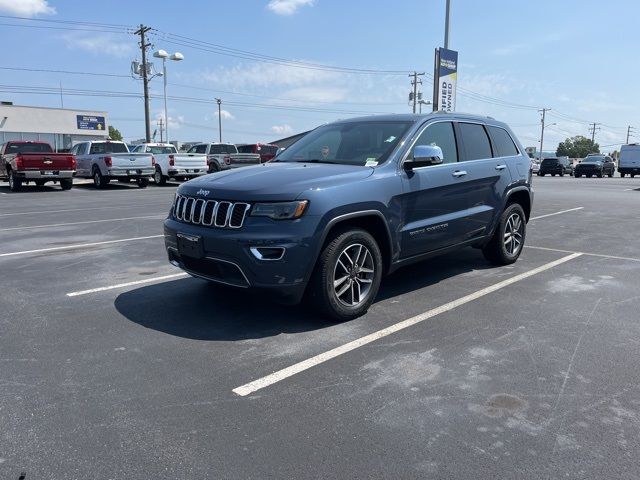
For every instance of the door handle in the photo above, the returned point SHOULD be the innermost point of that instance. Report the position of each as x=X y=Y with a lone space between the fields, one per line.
x=459 y=173
x=501 y=167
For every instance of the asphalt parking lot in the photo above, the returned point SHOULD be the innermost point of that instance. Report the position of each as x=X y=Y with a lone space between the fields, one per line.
x=528 y=371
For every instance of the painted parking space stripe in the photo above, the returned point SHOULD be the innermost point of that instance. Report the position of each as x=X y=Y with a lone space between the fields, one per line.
x=77 y=246
x=128 y=284
x=44 y=212
x=588 y=254
x=556 y=213
x=52 y=225
x=280 y=375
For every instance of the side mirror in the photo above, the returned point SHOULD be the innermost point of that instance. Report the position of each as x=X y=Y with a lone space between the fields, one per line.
x=424 y=156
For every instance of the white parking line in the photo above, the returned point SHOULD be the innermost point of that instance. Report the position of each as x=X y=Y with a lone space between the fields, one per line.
x=601 y=255
x=128 y=284
x=81 y=223
x=76 y=246
x=556 y=213
x=44 y=212
x=341 y=350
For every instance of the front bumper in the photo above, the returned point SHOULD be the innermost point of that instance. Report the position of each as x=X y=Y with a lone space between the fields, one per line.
x=227 y=257
x=46 y=174
x=130 y=172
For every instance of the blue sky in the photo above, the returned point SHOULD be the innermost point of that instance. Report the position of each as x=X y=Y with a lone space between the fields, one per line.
x=578 y=58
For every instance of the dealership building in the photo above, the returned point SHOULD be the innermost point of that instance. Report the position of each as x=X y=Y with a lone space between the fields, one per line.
x=60 y=127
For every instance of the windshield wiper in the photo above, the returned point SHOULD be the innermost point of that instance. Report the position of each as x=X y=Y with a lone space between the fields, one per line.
x=315 y=160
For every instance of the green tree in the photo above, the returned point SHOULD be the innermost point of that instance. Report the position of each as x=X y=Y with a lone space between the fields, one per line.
x=114 y=133
x=577 y=147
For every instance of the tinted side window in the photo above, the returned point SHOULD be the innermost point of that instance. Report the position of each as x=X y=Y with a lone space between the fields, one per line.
x=475 y=140
x=502 y=142
x=201 y=149
x=441 y=135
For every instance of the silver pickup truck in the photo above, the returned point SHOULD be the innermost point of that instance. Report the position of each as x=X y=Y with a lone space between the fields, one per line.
x=106 y=160
x=171 y=164
x=223 y=156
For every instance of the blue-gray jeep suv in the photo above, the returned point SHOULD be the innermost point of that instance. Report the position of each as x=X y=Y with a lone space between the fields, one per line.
x=353 y=200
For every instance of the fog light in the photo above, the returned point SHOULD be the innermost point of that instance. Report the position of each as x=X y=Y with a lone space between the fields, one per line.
x=268 y=253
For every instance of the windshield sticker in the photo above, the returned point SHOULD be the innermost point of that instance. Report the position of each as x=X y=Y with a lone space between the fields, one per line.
x=390 y=139
x=371 y=162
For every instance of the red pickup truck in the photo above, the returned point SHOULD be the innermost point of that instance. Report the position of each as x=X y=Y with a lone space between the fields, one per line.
x=24 y=162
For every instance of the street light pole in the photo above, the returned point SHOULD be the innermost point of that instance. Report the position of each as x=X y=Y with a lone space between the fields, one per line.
x=446 y=26
x=219 y=102
x=164 y=55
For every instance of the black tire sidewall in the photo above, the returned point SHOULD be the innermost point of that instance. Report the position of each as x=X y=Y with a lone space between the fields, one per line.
x=325 y=295
x=495 y=250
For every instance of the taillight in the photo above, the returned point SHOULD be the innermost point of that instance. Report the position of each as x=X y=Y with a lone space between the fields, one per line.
x=73 y=162
x=227 y=160
x=108 y=162
x=153 y=161
x=172 y=160
x=19 y=163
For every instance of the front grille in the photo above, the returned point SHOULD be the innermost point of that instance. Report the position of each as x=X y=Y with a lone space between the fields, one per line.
x=211 y=213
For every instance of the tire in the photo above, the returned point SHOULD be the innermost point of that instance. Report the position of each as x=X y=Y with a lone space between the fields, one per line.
x=158 y=178
x=66 y=183
x=15 y=183
x=589 y=175
x=622 y=175
x=512 y=227
x=553 y=174
x=99 y=181
x=562 y=173
x=213 y=167
x=142 y=182
x=40 y=183
x=540 y=174
x=610 y=174
x=359 y=247
x=576 y=175
x=633 y=175
x=600 y=175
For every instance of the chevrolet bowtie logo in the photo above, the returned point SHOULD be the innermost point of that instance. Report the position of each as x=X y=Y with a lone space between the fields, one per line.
x=47 y=161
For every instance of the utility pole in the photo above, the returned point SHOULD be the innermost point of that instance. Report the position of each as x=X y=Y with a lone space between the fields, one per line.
x=219 y=102
x=145 y=79
x=629 y=130
x=414 y=83
x=161 y=124
x=446 y=26
x=544 y=111
x=593 y=131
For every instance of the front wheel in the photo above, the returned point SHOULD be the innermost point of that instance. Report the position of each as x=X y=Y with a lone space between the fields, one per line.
x=506 y=244
x=15 y=183
x=600 y=175
x=158 y=178
x=142 y=182
x=562 y=174
x=347 y=276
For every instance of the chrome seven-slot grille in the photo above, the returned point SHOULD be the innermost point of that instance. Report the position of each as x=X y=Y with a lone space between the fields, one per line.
x=210 y=213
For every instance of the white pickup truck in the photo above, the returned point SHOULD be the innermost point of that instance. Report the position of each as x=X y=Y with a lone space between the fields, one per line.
x=106 y=160
x=171 y=164
x=222 y=156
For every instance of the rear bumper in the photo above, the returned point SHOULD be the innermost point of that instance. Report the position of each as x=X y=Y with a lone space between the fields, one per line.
x=187 y=172
x=131 y=172
x=43 y=175
x=627 y=170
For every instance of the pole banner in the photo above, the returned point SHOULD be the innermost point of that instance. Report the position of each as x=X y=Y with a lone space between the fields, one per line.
x=447 y=79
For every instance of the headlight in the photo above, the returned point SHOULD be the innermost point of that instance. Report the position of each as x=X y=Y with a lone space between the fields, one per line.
x=280 y=210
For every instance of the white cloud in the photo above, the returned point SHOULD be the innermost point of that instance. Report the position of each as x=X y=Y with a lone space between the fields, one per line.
x=287 y=7
x=225 y=114
x=26 y=8
x=282 y=129
x=175 y=122
x=99 y=44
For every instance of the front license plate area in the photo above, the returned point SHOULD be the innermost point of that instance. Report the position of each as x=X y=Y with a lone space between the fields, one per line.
x=190 y=245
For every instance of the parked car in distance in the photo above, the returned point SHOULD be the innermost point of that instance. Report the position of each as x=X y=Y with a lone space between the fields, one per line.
x=265 y=150
x=25 y=161
x=171 y=164
x=106 y=160
x=629 y=162
x=535 y=166
x=555 y=166
x=353 y=200
x=595 y=164
x=222 y=156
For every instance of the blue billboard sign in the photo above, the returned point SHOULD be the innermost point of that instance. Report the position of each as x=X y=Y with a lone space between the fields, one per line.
x=90 y=122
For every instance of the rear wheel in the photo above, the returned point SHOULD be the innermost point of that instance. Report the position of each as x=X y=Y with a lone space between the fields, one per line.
x=553 y=174
x=600 y=174
x=633 y=175
x=66 y=183
x=506 y=244
x=40 y=183
x=142 y=182
x=158 y=178
x=622 y=174
x=99 y=181
x=576 y=175
x=611 y=174
x=213 y=167
x=347 y=276
x=15 y=183
x=562 y=173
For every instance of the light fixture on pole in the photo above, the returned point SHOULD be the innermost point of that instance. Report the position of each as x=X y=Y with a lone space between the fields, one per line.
x=176 y=57
x=219 y=102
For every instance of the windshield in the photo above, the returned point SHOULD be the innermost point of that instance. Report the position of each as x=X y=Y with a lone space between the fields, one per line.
x=29 y=148
x=108 y=147
x=354 y=143
x=593 y=160
x=549 y=161
x=161 y=150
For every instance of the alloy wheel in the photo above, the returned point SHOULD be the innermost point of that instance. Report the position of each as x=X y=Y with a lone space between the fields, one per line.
x=353 y=275
x=513 y=231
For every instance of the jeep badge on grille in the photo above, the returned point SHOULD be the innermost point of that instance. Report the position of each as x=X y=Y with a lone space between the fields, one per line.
x=203 y=192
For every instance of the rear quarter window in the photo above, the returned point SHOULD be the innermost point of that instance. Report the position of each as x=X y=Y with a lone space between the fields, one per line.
x=502 y=142
x=475 y=140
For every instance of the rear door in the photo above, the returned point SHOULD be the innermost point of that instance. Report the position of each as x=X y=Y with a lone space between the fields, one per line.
x=488 y=152
x=434 y=201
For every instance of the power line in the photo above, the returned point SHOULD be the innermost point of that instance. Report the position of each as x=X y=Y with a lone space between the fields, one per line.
x=66 y=72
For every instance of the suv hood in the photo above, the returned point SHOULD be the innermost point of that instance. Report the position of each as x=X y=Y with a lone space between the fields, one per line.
x=273 y=181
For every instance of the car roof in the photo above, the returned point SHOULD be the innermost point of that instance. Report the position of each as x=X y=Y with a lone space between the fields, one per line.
x=419 y=118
